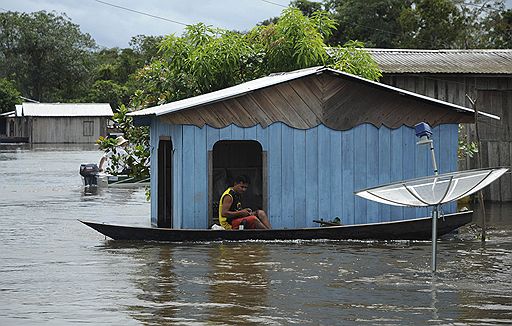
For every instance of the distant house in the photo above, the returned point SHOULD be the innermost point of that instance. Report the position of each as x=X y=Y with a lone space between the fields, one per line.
x=71 y=123
x=448 y=75
x=308 y=139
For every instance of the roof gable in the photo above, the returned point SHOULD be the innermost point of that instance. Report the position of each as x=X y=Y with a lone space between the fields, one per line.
x=307 y=98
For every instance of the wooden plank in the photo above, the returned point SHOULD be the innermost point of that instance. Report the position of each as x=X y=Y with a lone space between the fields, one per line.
x=494 y=159
x=372 y=170
x=283 y=110
x=177 y=136
x=324 y=172
x=211 y=218
x=264 y=183
x=305 y=114
x=506 y=180
x=336 y=178
x=262 y=136
x=212 y=136
x=312 y=198
x=255 y=110
x=384 y=168
x=287 y=185
x=200 y=194
x=361 y=172
x=310 y=94
x=187 y=186
x=275 y=175
x=347 y=149
x=396 y=174
x=299 y=175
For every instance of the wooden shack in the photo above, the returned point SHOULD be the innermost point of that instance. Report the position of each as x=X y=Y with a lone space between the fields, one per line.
x=68 y=123
x=450 y=75
x=308 y=139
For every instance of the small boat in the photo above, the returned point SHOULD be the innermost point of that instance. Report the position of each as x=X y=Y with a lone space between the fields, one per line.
x=92 y=177
x=413 y=229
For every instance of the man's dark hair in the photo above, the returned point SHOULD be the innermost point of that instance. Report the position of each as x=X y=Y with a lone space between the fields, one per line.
x=242 y=179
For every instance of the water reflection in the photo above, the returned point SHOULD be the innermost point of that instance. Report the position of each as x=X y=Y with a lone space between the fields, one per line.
x=238 y=283
x=155 y=278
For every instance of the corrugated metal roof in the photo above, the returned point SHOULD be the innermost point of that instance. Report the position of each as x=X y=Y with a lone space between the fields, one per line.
x=275 y=79
x=443 y=61
x=64 y=110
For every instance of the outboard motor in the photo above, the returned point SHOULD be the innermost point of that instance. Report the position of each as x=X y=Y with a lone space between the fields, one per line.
x=90 y=173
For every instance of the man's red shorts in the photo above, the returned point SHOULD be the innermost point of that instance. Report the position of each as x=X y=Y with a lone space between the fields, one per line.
x=249 y=224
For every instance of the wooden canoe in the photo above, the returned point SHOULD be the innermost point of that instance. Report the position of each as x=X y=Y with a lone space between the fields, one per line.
x=413 y=229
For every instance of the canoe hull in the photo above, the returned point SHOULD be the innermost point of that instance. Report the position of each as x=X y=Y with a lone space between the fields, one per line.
x=414 y=229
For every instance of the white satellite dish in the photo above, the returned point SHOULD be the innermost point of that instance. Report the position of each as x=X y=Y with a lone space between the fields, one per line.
x=433 y=190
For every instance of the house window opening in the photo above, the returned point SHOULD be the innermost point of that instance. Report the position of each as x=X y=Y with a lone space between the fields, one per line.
x=88 y=128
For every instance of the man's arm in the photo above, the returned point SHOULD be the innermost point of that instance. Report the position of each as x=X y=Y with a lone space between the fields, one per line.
x=230 y=215
x=102 y=162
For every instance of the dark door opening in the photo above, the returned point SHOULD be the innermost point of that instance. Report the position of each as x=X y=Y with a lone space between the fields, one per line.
x=164 y=183
x=229 y=159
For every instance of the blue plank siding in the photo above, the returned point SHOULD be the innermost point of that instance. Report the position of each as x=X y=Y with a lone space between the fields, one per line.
x=312 y=173
x=360 y=172
x=336 y=176
x=372 y=170
x=384 y=175
x=313 y=190
x=348 y=169
x=299 y=178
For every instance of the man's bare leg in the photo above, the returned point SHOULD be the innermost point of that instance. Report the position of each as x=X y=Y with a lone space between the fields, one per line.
x=262 y=216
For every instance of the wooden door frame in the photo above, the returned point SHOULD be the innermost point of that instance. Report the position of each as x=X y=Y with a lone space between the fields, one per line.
x=164 y=183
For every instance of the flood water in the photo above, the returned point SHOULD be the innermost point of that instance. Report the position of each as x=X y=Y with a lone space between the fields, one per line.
x=56 y=271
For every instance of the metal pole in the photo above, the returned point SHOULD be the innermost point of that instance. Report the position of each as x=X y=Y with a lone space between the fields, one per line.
x=434 y=163
x=479 y=165
x=435 y=214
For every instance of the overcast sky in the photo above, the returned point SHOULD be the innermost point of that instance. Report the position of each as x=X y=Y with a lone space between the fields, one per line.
x=111 y=26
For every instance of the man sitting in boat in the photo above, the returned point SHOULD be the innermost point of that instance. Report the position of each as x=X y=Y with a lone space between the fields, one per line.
x=119 y=155
x=231 y=213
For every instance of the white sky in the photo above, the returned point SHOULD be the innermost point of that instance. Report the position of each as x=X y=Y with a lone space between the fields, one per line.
x=111 y=26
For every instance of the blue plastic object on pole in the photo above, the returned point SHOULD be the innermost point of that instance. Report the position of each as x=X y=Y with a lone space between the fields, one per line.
x=422 y=129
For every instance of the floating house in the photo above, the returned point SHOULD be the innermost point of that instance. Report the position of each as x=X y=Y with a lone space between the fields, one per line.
x=308 y=139
x=69 y=123
x=448 y=75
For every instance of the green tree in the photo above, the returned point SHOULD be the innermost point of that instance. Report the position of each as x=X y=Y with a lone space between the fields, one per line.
x=205 y=59
x=375 y=22
x=46 y=55
x=498 y=25
x=108 y=91
x=9 y=96
x=307 y=7
x=431 y=24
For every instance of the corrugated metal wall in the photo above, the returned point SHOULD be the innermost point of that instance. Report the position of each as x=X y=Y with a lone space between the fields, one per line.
x=311 y=173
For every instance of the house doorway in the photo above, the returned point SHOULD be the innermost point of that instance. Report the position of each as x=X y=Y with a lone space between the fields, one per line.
x=229 y=159
x=165 y=150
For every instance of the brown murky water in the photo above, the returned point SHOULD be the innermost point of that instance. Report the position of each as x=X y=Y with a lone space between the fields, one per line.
x=55 y=271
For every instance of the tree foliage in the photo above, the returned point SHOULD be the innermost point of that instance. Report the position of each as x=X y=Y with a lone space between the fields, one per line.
x=206 y=59
x=375 y=22
x=9 y=96
x=424 y=24
x=45 y=54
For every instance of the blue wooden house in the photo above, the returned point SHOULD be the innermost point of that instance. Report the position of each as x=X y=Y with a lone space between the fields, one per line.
x=308 y=139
